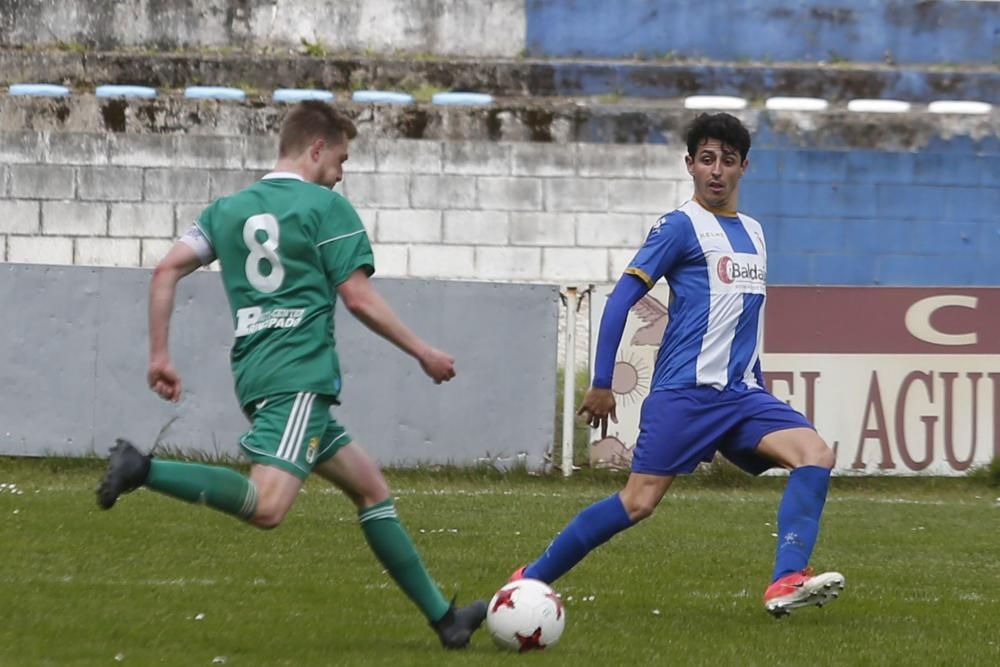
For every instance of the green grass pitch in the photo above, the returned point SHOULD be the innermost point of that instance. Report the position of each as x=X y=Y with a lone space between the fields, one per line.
x=158 y=582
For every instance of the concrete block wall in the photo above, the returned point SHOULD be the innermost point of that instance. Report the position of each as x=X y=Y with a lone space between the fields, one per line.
x=507 y=211
x=903 y=31
x=504 y=211
x=433 y=209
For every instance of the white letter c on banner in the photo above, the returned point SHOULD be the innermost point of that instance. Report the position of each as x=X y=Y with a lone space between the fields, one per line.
x=918 y=319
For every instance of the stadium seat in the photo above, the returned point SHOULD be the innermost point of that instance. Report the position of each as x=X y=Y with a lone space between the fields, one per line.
x=878 y=106
x=796 y=104
x=125 y=91
x=462 y=99
x=214 y=93
x=38 y=90
x=382 y=97
x=299 y=94
x=718 y=102
x=959 y=106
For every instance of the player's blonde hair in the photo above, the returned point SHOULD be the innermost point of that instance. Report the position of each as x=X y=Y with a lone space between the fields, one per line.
x=311 y=120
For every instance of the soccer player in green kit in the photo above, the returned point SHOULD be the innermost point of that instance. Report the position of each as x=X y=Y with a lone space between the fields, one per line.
x=288 y=246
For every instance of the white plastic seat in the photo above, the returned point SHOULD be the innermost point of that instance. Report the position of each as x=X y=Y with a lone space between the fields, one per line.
x=38 y=90
x=115 y=90
x=214 y=93
x=300 y=94
x=382 y=97
x=959 y=107
x=796 y=104
x=721 y=102
x=462 y=99
x=878 y=106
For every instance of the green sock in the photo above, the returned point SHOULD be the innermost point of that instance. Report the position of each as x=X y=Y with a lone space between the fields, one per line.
x=220 y=488
x=388 y=539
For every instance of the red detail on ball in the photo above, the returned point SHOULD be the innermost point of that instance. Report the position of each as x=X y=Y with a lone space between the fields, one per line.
x=531 y=642
x=558 y=600
x=504 y=598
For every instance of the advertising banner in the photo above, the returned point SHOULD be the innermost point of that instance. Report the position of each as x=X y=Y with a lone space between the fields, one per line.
x=898 y=380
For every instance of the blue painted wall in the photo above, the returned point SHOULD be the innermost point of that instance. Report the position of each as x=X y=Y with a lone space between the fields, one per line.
x=869 y=217
x=929 y=31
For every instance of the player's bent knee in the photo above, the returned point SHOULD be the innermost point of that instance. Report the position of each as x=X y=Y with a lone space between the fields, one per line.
x=642 y=493
x=638 y=508
x=268 y=516
x=818 y=453
x=826 y=458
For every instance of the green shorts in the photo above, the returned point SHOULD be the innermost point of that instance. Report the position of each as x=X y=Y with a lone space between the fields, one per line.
x=294 y=432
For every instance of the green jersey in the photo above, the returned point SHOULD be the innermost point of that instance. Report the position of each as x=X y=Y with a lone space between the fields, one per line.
x=284 y=246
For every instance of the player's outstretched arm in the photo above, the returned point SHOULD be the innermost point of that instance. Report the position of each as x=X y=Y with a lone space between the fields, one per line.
x=365 y=303
x=599 y=402
x=179 y=262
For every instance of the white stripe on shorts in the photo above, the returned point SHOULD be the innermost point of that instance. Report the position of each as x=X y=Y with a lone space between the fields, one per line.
x=303 y=425
x=291 y=427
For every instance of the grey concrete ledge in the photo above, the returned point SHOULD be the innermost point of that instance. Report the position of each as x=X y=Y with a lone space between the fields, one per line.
x=558 y=121
x=504 y=78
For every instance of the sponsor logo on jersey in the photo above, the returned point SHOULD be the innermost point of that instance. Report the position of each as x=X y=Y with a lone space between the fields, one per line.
x=746 y=274
x=254 y=319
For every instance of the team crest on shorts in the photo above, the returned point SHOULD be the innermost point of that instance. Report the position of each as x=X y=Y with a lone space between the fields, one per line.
x=313 y=448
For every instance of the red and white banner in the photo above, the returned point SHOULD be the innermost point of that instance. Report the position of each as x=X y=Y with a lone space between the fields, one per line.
x=898 y=380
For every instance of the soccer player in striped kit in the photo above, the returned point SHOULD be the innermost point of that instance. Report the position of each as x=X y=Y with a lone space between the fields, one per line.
x=288 y=247
x=707 y=394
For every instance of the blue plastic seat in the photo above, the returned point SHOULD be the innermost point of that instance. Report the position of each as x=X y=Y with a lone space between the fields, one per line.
x=462 y=99
x=38 y=90
x=114 y=90
x=214 y=93
x=382 y=97
x=300 y=94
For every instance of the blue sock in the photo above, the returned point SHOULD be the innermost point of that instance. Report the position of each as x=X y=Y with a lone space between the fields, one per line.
x=798 y=518
x=588 y=530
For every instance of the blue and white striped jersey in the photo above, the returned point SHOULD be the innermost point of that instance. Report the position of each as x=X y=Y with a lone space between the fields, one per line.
x=716 y=268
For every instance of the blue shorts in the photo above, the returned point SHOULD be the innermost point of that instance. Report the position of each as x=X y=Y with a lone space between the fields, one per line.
x=680 y=428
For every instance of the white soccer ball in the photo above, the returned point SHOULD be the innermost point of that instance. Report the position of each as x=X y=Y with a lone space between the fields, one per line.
x=526 y=615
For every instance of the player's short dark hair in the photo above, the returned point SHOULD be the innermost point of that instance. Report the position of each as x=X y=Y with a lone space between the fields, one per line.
x=721 y=126
x=311 y=120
